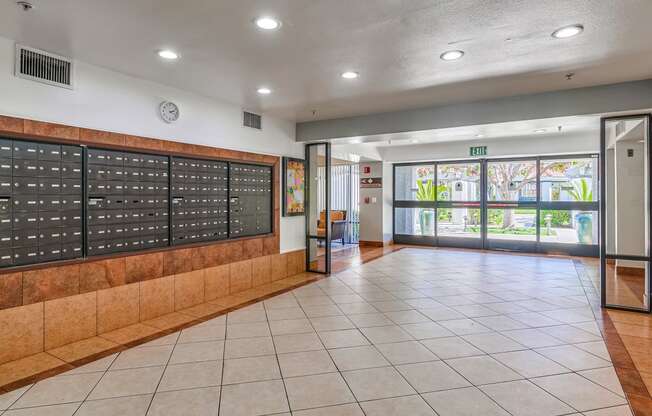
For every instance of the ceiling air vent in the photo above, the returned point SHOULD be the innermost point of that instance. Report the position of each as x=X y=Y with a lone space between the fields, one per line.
x=252 y=120
x=44 y=67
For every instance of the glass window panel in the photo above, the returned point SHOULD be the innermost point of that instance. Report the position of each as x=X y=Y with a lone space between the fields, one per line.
x=626 y=283
x=415 y=221
x=574 y=180
x=458 y=182
x=415 y=183
x=458 y=222
x=511 y=224
x=512 y=181
x=627 y=187
x=568 y=227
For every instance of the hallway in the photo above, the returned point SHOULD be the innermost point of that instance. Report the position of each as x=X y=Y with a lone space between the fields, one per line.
x=412 y=333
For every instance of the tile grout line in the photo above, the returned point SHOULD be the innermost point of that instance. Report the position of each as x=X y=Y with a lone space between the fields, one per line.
x=327 y=352
x=226 y=333
x=407 y=381
x=278 y=363
x=167 y=363
x=96 y=384
x=493 y=331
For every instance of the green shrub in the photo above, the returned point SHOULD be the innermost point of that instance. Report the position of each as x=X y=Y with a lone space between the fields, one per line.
x=559 y=218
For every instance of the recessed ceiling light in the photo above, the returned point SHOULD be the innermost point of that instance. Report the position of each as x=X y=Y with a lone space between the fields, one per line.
x=355 y=141
x=350 y=75
x=264 y=91
x=267 y=23
x=540 y=131
x=568 y=31
x=479 y=135
x=451 y=55
x=168 y=54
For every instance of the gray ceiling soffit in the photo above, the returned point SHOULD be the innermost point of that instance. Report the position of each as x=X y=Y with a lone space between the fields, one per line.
x=601 y=99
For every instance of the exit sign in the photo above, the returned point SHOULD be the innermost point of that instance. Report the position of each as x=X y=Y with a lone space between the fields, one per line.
x=478 y=151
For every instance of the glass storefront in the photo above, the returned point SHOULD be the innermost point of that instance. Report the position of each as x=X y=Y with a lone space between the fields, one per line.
x=536 y=204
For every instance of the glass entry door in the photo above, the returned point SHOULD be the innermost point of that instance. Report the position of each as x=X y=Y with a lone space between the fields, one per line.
x=625 y=249
x=318 y=207
x=459 y=205
x=512 y=190
x=545 y=204
x=414 y=204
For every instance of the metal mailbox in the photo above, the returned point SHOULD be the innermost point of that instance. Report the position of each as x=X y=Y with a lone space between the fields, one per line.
x=195 y=185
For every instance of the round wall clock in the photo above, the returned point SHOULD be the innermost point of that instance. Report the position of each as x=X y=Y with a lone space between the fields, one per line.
x=169 y=111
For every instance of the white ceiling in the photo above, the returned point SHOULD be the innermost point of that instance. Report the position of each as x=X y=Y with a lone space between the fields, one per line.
x=530 y=129
x=394 y=44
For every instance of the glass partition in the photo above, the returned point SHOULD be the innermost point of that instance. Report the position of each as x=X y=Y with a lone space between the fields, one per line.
x=318 y=212
x=625 y=263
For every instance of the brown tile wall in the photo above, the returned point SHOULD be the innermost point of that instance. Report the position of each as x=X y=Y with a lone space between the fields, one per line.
x=38 y=284
x=52 y=324
x=44 y=308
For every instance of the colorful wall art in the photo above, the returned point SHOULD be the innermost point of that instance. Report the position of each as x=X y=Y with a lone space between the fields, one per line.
x=294 y=185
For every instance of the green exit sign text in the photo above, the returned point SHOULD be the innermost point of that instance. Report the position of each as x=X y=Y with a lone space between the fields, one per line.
x=478 y=151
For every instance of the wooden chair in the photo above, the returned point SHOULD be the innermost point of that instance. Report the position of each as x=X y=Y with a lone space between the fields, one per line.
x=338 y=225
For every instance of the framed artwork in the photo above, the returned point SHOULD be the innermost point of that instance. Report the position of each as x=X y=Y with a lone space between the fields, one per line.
x=294 y=185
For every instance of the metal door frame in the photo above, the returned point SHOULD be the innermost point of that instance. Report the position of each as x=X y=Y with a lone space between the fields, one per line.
x=327 y=200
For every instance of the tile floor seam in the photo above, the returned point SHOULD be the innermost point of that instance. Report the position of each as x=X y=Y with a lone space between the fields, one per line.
x=392 y=366
x=604 y=387
x=579 y=375
x=98 y=382
x=278 y=363
x=477 y=386
x=226 y=334
x=19 y=396
x=158 y=384
x=42 y=406
x=334 y=363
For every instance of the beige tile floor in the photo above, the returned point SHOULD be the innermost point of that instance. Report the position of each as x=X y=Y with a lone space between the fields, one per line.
x=417 y=332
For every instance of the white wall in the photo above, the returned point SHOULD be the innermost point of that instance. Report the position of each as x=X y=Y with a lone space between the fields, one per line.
x=388 y=201
x=363 y=151
x=630 y=199
x=108 y=100
x=513 y=146
x=376 y=216
x=371 y=212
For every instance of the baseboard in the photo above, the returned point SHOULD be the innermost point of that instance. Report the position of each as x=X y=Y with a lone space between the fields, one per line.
x=364 y=243
x=632 y=271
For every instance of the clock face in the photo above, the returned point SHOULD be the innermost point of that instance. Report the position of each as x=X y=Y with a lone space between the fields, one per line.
x=169 y=111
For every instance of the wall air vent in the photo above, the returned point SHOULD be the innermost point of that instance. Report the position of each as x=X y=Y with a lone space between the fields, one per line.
x=45 y=67
x=252 y=120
